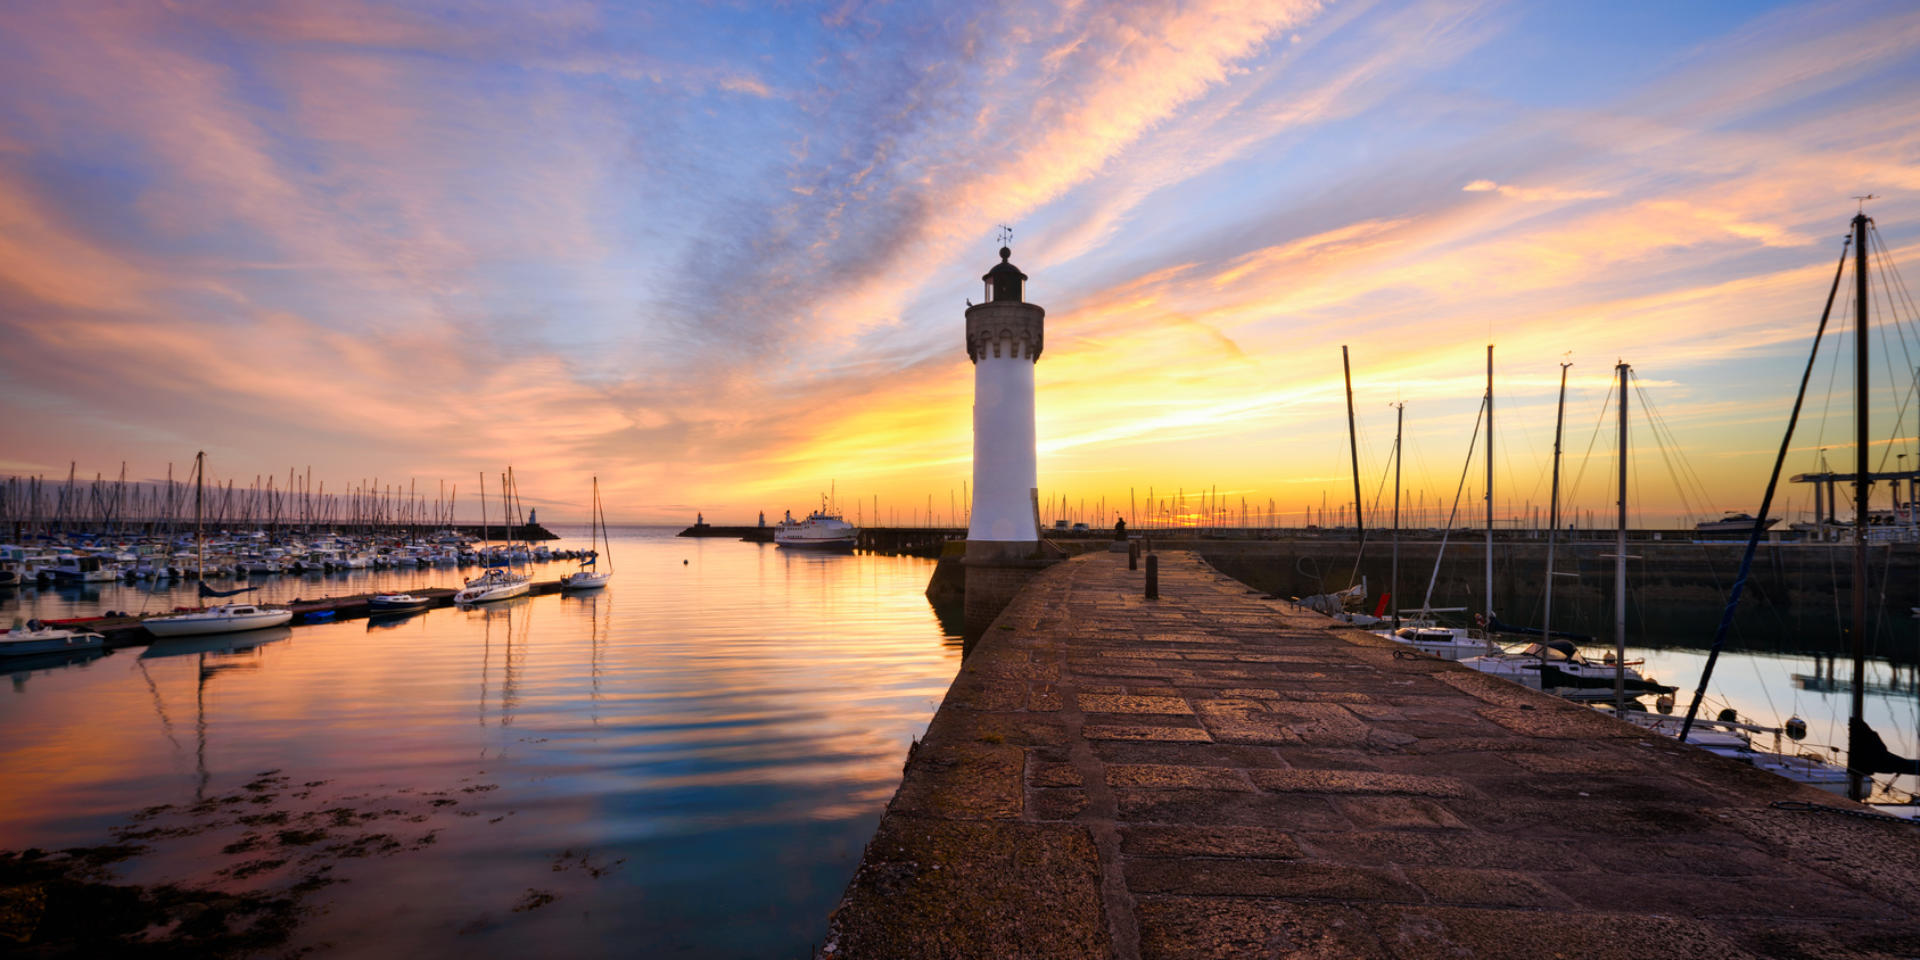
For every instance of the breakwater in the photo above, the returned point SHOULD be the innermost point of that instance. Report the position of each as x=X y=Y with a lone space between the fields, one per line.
x=1215 y=774
x=1795 y=600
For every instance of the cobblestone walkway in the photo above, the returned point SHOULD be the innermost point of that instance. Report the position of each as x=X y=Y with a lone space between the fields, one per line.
x=1216 y=775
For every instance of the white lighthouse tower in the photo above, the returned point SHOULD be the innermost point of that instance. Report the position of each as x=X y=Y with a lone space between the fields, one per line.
x=1004 y=337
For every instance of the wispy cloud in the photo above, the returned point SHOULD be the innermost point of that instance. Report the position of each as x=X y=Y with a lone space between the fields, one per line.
x=720 y=258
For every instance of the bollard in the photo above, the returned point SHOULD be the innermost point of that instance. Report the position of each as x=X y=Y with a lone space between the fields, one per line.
x=1153 y=576
x=1133 y=556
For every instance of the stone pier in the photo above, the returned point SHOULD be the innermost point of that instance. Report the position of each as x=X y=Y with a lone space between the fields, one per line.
x=1215 y=775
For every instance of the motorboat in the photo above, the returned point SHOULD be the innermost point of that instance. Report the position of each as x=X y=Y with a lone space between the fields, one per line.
x=495 y=584
x=1557 y=667
x=220 y=618
x=821 y=530
x=1731 y=523
x=79 y=569
x=397 y=603
x=39 y=638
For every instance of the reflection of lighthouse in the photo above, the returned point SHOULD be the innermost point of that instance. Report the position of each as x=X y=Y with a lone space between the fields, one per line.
x=1004 y=336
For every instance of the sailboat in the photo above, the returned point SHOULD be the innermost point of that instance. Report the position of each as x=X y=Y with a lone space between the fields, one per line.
x=222 y=617
x=499 y=582
x=1867 y=753
x=590 y=576
x=1555 y=665
x=1422 y=632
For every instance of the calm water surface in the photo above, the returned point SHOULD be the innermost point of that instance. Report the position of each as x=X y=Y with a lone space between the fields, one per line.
x=687 y=763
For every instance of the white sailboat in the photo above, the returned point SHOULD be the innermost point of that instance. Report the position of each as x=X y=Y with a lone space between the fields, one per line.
x=497 y=583
x=219 y=618
x=590 y=576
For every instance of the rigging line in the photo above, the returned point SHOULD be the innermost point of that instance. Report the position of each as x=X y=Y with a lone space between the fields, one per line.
x=1833 y=378
x=1766 y=504
x=1606 y=403
x=1891 y=289
x=1662 y=425
x=1669 y=443
x=1760 y=679
x=1883 y=299
x=1473 y=443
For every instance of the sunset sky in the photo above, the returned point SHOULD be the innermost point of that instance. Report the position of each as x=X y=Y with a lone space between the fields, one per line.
x=717 y=254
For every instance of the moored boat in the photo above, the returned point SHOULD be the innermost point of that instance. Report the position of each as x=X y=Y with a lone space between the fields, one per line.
x=590 y=576
x=493 y=585
x=38 y=638
x=397 y=603
x=220 y=618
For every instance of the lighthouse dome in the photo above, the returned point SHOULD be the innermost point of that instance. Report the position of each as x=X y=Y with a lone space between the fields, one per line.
x=1004 y=281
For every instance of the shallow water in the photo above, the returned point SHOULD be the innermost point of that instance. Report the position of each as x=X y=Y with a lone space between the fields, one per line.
x=686 y=763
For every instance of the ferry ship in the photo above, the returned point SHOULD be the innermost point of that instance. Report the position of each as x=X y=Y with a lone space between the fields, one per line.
x=819 y=531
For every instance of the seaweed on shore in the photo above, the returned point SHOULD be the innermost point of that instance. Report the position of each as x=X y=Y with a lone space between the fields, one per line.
x=65 y=904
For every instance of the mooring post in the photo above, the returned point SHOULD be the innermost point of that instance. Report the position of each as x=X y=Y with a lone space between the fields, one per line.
x=1133 y=556
x=1153 y=576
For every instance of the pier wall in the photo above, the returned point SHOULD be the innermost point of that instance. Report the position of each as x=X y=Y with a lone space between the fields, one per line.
x=1216 y=774
x=1795 y=600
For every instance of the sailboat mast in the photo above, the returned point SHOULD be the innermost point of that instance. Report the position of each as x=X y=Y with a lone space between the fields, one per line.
x=199 y=534
x=1353 y=448
x=1553 y=506
x=1489 y=490
x=1856 y=785
x=1393 y=577
x=1620 y=566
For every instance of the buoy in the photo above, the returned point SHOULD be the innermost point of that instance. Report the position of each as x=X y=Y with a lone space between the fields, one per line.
x=1796 y=728
x=1728 y=716
x=683 y=563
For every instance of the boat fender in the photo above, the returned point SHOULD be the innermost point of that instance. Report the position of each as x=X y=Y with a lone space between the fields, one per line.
x=1664 y=703
x=1796 y=729
x=1728 y=716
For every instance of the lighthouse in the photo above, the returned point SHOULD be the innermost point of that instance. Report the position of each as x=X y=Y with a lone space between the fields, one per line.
x=1004 y=338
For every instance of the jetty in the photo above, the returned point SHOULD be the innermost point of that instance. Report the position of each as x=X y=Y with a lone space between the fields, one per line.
x=1217 y=774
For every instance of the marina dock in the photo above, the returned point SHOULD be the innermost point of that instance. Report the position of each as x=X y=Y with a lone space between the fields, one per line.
x=1214 y=774
x=128 y=631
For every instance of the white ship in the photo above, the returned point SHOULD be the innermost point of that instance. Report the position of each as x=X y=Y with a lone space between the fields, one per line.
x=819 y=531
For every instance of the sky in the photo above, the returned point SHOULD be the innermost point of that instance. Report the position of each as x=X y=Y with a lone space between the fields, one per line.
x=718 y=254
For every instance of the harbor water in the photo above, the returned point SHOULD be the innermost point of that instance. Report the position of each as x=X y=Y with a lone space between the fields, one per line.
x=687 y=763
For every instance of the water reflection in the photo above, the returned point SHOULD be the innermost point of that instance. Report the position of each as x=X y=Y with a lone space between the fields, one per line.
x=643 y=755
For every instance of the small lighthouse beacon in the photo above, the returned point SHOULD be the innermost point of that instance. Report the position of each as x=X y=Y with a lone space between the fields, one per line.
x=1004 y=337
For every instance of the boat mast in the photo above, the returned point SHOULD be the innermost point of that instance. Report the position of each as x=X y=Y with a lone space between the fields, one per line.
x=1393 y=578
x=1855 y=782
x=1489 y=625
x=1620 y=565
x=486 y=535
x=1353 y=448
x=199 y=534
x=1553 y=507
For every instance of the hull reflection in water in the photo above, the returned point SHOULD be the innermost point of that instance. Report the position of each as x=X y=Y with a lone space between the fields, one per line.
x=551 y=775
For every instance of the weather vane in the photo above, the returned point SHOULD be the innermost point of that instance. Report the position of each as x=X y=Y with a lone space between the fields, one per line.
x=1863 y=201
x=1006 y=235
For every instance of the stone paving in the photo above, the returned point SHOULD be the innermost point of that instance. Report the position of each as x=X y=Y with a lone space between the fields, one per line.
x=1214 y=775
